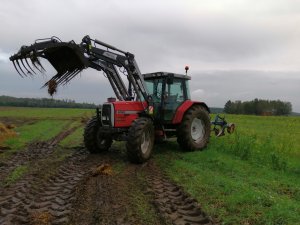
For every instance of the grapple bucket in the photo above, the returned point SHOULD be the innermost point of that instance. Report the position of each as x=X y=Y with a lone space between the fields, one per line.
x=66 y=57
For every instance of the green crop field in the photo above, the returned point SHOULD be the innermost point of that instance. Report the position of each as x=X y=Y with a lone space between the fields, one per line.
x=43 y=113
x=41 y=124
x=249 y=177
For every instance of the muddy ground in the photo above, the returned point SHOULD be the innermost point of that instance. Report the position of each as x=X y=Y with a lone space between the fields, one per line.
x=71 y=186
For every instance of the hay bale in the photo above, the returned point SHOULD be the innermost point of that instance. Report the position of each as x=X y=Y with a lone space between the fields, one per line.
x=41 y=218
x=6 y=131
x=102 y=169
x=10 y=126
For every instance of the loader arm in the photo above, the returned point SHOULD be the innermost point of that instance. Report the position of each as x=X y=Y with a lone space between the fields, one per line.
x=69 y=59
x=125 y=60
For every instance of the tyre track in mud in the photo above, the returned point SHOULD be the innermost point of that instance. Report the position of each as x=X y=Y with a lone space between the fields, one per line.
x=107 y=200
x=98 y=202
x=34 y=151
x=172 y=201
x=34 y=199
x=58 y=192
x=31 y=199
x=118 y=198
x=71 y=190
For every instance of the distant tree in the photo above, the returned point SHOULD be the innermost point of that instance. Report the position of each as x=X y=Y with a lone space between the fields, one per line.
x=239 y=107
x=258 y=107
x=228 y=107
x=42 y=102
x=249 y=108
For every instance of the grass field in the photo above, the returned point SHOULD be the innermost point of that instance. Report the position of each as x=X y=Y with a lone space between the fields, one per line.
x=41 y=124
x=44 y=113
x=250 y=177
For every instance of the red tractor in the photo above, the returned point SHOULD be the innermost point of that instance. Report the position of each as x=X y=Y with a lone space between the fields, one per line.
x=151 y=107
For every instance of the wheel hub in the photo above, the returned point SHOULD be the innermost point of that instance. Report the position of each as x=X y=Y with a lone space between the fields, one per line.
x=100 y=140
x=197 y=130
x=145 y=142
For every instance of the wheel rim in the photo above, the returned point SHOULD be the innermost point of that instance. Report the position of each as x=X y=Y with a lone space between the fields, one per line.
x=197 y=130
x=100 y=140
x=145 y=142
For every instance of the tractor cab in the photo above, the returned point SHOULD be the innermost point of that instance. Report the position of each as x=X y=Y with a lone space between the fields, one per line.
x=167 y=91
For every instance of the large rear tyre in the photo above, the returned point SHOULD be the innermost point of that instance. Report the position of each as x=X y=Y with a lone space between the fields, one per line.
x=94 y=141
x=194 y=131
x=140 y=140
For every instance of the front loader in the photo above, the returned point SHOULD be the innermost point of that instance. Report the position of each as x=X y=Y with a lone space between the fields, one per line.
x=152 y=107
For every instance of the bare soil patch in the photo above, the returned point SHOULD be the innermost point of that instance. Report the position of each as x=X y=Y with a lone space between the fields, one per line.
x=114 y=197
x=108 y=198
x=17 y=121
x=35 y=152
x=94 y=189
x=172 y=201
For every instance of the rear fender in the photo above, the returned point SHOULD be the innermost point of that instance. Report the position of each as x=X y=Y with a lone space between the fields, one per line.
x=185 y=106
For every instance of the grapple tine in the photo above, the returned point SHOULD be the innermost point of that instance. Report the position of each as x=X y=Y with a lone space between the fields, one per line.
x=20 y=67
x=17 y=68
x=33 y=63
x=28 y=72
x=63 y=78
x=36 y=62
x=73 y=75
x=59 y=77
x=55 y=78
x=39 y=63
x=29 y=65
x=69 y=76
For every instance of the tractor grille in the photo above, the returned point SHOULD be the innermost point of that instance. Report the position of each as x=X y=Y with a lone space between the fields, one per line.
x=107 y=115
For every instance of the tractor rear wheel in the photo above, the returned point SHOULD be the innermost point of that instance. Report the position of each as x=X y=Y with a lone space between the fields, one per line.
x=194 y=131
x=140 y=140
x=94 y=141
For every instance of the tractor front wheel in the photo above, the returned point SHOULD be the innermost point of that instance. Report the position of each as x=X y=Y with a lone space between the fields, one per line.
x=194 y=131
x=94 y=141
x=140 y=140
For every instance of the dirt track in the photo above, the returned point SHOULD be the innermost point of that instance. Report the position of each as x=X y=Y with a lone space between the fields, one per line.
x=69 y=191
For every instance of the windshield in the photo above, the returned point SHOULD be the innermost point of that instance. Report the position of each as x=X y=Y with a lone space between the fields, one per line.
x=155 y=89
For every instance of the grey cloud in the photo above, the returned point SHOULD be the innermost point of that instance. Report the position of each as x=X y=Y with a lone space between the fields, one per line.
x=221 y=86
x=4 y=56
x=228 y=44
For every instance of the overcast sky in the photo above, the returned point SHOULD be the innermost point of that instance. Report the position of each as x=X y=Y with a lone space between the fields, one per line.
x=236 y=49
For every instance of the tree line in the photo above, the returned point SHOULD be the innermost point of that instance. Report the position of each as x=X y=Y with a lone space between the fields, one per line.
x=43 y=103
x=258 y=107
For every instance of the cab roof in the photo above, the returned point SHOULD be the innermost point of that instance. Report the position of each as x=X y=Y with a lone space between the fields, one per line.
x=148 y=76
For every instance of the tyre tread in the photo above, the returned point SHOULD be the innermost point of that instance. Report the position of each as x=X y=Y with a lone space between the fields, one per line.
x=90 y=136
x=133 y=143
x=183 y=131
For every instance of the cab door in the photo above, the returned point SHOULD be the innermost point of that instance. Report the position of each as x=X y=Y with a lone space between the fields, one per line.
x=174 y=95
